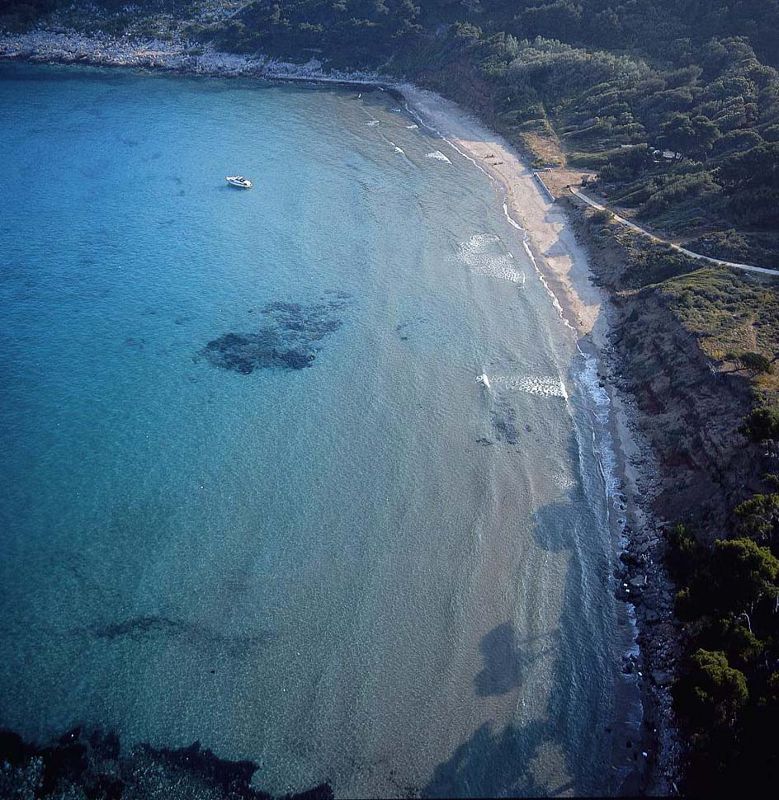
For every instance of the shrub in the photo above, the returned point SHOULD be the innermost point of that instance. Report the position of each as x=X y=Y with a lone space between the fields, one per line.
x=742 y=573
x=712 y=692
x=762 y=424
x=683 y=551
x=755 y=362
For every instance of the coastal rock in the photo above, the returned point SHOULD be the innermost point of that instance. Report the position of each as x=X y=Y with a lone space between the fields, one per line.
x=79 y=765
x=628 y=558
x=662 y=678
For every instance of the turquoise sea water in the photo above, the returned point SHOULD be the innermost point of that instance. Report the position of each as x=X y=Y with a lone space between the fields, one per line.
x=373 y=569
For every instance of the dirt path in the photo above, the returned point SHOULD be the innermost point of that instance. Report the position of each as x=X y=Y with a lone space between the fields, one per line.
x=718 y=261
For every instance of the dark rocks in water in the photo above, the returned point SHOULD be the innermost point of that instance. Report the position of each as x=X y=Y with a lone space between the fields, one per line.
x=246 y=352
x=228 y=776
x=289 y=339
x=14 y=749
x=135 y=628
x=504 y=421
x=105 y=745
x=63 y=762
x=92 y=766
x=313 y=322
x=320 y=792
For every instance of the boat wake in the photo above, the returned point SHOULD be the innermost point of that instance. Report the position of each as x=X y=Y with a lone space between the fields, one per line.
x=538 y=385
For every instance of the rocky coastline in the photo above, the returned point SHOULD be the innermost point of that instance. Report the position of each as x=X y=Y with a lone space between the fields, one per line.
x=177 y=55
x=92 y=764
x=643 y=584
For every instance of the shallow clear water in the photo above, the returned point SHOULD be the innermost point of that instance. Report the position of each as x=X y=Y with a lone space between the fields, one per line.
x=373 y=570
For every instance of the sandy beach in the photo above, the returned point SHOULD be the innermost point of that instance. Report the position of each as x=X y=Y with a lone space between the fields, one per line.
x=562 y=262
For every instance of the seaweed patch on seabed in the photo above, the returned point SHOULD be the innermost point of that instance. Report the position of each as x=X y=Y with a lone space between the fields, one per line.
x=290 y=338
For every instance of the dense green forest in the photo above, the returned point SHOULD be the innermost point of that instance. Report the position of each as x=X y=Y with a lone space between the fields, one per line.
x=728 y=696
x=675 y=105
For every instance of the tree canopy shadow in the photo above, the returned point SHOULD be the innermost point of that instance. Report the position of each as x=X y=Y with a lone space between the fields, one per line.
x=512 y=760
x=506 y=659
x=492 y=764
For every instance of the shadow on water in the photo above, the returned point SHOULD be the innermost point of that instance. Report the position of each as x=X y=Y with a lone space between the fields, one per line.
x=492 y=764
x=506 y=660
x=513 y=760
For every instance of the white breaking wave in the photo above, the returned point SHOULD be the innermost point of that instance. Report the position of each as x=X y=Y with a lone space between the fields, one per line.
x=485 y=254
x=412 y=127
x=563 y=482
x=372 y=123
x=437 y=154
x=605 y=449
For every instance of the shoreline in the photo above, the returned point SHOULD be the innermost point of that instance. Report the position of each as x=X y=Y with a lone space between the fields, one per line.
x=563 y=265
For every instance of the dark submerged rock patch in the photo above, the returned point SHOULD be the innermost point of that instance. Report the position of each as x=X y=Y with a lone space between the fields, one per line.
x=289 y=339
x=504 y=423
x=401 y=329
x=135 y=344
x=91 y=765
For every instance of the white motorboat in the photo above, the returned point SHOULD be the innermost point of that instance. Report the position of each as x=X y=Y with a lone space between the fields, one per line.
x=239 y=181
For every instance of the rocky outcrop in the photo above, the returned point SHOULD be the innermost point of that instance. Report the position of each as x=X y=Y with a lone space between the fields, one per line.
x=92 y=765
x=176 y=54
x=688 y=410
